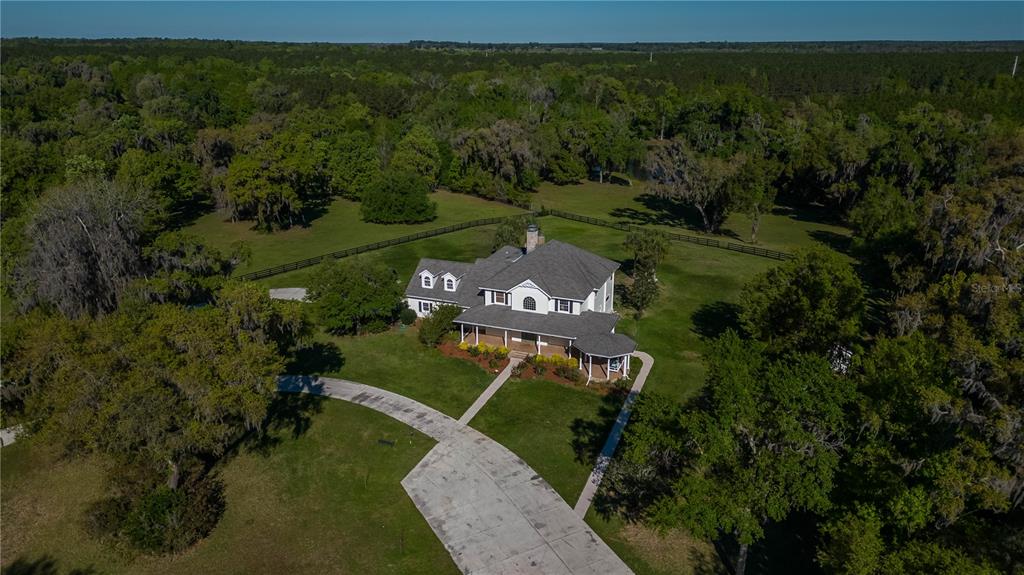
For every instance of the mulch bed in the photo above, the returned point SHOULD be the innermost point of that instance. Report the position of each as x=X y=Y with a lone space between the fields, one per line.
x=451 y=349
x=600 y=387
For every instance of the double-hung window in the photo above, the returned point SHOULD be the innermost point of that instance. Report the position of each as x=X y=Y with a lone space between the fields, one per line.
x=565 y=306
x=426 y=307
x=428 y=282
x=499 y=297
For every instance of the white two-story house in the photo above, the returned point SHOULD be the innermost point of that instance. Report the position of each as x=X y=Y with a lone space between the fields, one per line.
x=549 y=298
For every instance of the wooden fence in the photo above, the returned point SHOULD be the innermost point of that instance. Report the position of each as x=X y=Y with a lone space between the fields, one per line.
x=699 y=240
x=297 y=265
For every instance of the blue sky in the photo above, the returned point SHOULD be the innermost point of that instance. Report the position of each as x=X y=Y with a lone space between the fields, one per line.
x=518 y=22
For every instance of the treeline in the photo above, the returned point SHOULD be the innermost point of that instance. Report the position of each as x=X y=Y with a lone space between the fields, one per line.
x=271 y=131
x=887 y=46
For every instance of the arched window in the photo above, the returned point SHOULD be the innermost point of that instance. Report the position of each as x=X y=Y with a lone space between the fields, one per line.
x=449 y=284
x=530 y=303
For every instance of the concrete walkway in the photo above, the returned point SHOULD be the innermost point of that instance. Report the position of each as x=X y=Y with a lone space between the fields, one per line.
x=489 y=392
x=594 y=481
x=491 y=510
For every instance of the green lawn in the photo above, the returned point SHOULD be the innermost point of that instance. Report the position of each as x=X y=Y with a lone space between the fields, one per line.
x=327 y=501
x=338 y=228
x=397 y=361
x=785 y=229
x=558 y=430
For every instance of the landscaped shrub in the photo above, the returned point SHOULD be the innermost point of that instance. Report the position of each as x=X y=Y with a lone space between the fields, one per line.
x=572 y=373
x=519 y=369
x=493 y=363
x=501 y=353
x=434 y=327
x=407 y=316
x=474 y=350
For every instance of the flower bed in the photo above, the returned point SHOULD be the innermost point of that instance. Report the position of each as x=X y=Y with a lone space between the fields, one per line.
x=563 y=370
x=493 y=359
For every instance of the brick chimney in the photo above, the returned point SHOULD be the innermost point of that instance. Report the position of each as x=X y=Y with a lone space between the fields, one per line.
x=532 y=237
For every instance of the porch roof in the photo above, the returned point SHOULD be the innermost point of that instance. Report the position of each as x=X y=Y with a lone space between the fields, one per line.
x=565 y=325
x=606 y=344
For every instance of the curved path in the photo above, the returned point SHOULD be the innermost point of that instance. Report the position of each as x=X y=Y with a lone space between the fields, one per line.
x=491 y=510
x=603 y=460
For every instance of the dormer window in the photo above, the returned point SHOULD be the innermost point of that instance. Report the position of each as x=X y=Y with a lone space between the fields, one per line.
x=428 y=281
x=564 y=306
x=498 y=297
x=530 y=303
x=449 y=284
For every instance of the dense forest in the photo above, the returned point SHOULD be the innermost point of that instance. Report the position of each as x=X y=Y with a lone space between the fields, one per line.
x=910 y=457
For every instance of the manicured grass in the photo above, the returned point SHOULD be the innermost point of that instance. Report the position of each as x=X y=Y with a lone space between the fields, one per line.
x=327 y=501
x=338 y=228
x=398 y=362
x=784 y=230
x=558 y=430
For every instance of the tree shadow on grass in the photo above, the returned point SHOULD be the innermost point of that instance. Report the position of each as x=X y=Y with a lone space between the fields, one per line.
x=838 y=242
x=666 y=212
x=815 y=214
x=318 y=358
x=713 y=319
x=589 y=435
x=661 y=211
x=44 y=565
x=290 y=415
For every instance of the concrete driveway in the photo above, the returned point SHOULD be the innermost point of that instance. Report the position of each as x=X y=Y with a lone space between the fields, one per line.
x=491 y=510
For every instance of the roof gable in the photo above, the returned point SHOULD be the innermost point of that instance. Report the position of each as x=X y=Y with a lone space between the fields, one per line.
x=557 y=268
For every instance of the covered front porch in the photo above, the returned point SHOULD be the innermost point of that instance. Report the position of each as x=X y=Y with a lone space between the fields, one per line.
x=516 y=341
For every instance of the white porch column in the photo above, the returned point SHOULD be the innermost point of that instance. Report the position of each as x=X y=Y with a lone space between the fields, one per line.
x=476 y=329
x=538 y=344
x=590 y=367
x=580 y=353
x=462 y=332
x=505 y=338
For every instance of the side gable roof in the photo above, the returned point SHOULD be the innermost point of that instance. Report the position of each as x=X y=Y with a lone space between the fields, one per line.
x=558 y=268
x=468 y=292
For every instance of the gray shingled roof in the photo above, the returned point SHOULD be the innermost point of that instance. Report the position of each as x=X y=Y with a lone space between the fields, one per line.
x=560 y=269
x=554 y=324
x=468 y=292
x=606 y=344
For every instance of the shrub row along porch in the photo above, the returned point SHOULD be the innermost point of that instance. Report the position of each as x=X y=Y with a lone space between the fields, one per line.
x=601 y=356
